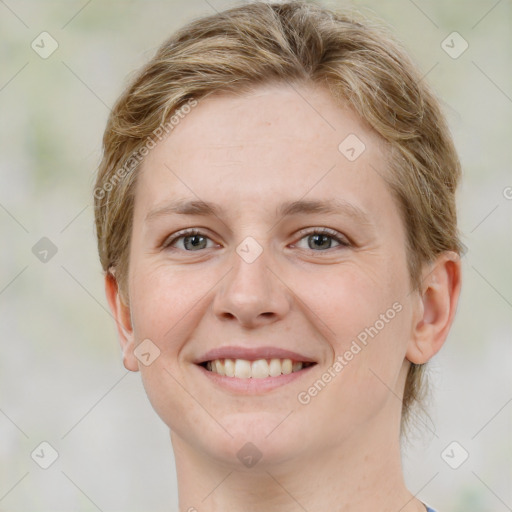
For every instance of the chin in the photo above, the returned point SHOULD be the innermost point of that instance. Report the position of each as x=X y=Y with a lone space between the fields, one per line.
x=256 y=440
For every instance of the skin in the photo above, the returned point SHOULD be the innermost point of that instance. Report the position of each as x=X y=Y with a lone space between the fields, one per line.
x=250 y=153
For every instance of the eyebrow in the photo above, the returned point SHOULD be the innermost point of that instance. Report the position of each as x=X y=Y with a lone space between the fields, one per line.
x=289 y=208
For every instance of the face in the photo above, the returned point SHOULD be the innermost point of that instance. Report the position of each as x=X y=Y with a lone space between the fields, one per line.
x=300 y=258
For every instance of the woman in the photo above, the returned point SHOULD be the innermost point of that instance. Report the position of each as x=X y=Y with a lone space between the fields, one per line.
x=276 y=219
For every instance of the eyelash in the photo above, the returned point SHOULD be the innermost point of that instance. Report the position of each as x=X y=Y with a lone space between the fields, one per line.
x=316 y=231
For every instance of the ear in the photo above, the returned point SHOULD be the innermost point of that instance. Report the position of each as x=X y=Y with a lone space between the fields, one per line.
x=123 y=320
x=437 y=303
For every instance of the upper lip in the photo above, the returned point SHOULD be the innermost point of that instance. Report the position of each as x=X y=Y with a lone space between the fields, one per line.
x=252 y=354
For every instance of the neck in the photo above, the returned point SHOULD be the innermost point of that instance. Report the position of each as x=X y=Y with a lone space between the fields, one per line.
x=361 y=473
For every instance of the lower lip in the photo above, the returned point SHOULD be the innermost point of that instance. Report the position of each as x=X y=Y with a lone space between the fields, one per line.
x=252 y=386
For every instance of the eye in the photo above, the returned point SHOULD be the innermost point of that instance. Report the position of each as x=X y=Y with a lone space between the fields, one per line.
x=321 y=238
x=193 y=240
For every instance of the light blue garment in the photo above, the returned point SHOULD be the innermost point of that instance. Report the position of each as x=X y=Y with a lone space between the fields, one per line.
x=430 y=509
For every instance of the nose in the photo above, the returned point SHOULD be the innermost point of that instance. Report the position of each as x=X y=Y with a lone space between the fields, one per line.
x=252 y=293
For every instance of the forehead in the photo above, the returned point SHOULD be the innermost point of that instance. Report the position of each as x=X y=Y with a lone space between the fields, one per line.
x=255 y=150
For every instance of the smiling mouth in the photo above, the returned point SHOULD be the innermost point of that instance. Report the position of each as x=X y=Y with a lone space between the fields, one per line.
x=257 y=369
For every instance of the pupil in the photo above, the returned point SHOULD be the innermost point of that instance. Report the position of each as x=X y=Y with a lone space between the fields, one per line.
x=194 y=240
x=324 y=237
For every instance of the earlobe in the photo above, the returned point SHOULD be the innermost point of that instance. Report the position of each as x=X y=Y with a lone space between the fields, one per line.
x=122 y=316
x=437 y=303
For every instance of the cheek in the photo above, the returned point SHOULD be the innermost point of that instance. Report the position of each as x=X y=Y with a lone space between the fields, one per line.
x=166 y=306
x=369 y=318
x=372 y=347
x=359 y=304
x=164 y=299
x=363 y=378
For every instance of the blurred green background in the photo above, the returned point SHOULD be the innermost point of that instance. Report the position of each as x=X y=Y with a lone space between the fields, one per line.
x=61 y=375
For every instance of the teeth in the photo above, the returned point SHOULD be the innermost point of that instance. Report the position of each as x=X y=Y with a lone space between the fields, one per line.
x=218 y=367
x=229 y=367
x=275 y=367
x=242 y=369
x=286 y=366
x=259 y=369
x=296 y=366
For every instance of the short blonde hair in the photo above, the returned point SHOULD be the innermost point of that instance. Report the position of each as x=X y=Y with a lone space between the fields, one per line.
x=294 y=42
